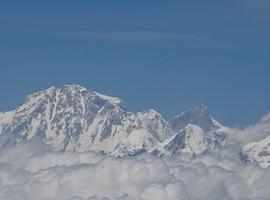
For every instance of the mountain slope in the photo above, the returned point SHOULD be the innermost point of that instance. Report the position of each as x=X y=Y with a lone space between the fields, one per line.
x=190 y=140
x=199 y=116
x=73 y=118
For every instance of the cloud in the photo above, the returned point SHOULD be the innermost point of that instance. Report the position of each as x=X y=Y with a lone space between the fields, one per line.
x=130 y=35
x=257 y=3
x=252 y=133
x=266 y=117
x=32 y=171
x=121 y=30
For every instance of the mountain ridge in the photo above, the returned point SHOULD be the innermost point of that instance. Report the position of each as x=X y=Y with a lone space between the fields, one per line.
x=73 y=118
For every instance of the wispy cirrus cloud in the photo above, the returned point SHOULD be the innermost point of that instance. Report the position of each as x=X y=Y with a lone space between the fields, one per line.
x=259 y=8
x=261 y=3
x=131 y=35
x=109 y=29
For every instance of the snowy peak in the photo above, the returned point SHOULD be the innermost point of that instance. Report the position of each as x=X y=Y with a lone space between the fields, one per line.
x=154 y=123
x=257 y=152
x=195 y=139
x=189 y=140
x=73 y=118
x=61 y=115
x=67 y=93
x=201 y=108
x=199 y=116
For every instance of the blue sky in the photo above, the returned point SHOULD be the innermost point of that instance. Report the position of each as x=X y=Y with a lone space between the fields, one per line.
x=166 y=55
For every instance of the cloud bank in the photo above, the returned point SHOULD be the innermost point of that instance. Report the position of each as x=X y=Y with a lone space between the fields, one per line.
x=31 y=171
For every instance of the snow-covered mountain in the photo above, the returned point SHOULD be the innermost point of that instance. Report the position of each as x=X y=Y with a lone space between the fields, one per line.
x=257 y=152
x=256 y=149
x=202 y=125
x=199 y=116
x=73 y=118
x=189 y=140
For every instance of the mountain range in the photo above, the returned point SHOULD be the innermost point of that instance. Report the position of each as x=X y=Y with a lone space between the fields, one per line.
x=73 y=118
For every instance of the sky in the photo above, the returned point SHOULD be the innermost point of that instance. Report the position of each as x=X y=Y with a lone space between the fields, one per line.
x=165 y=55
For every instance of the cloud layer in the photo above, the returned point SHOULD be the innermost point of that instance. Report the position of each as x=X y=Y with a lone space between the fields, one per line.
x=32 y=171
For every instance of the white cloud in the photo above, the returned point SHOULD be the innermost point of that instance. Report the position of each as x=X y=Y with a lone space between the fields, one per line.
x=31 y=171
x=252 y=133
x=266 y=117
x=132 y=35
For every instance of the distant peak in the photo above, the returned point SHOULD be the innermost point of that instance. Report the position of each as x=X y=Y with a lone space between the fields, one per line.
x=199 y=116
x=152 y=111
x=52 y=89
x=69 y=91
x=74 y=86
x=200 y=108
